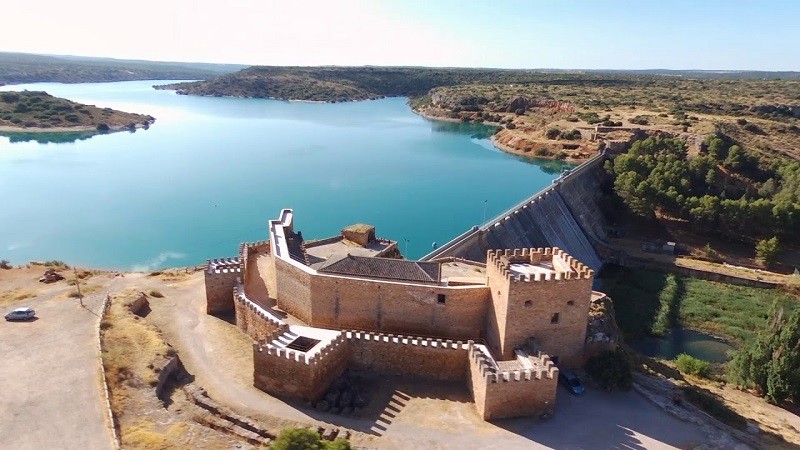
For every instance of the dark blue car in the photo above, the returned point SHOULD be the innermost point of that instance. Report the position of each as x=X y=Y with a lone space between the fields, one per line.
x=571 y=382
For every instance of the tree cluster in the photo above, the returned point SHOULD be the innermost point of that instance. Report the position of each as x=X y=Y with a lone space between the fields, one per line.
x=771 y=363
x=724 y=190
x=611 y=370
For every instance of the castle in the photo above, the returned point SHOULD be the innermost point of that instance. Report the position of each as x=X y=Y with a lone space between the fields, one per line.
x=316 y=308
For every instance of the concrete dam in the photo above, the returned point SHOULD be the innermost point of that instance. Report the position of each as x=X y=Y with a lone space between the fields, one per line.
x=564 y=214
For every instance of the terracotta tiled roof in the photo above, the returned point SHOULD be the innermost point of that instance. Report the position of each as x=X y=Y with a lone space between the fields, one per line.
x=383 y=268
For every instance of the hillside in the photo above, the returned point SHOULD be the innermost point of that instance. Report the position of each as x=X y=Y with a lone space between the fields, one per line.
x=17 y=68
x=35 y=110
x=336 y=84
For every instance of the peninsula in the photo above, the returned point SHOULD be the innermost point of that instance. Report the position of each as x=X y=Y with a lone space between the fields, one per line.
x=37 y=111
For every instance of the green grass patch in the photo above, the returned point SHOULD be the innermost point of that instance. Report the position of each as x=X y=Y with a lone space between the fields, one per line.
x=649 y=303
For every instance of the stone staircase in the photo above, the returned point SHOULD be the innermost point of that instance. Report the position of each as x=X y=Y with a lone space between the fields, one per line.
x=283 y=340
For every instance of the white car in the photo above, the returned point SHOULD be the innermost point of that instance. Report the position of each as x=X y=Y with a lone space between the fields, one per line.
x=21 y=314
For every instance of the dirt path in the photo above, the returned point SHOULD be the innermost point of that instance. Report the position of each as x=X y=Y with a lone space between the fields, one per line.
x=50 y=372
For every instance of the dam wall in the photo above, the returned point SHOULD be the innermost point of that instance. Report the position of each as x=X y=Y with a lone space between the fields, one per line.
x=564 y=214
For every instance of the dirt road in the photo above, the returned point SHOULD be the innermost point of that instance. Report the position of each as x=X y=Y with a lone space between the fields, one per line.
x=50 y=388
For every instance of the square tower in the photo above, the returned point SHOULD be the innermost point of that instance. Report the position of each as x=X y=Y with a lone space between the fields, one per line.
x=542 y=295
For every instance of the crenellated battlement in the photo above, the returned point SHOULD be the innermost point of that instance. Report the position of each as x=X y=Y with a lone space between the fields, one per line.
x=542 y=367
x=549 y=264
x=223 y=265
x=273 y=320
x=331 y=349
x=400 y=339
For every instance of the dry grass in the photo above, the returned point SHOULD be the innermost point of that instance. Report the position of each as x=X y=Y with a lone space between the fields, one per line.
x=132 y=350
x=145 y=435
x=15 y=295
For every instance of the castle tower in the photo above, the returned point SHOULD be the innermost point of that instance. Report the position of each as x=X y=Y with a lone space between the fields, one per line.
x=542 y=295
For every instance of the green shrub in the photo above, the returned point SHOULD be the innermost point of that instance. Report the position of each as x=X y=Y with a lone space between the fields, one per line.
x=541 y=152
x=767 y=250
x=305 y=439
x=611 y=370
x=56 y=263
x=690 y=365
x=553 y=133
x=5 y=264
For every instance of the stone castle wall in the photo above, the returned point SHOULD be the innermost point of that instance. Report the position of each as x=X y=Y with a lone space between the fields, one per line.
x=282 y=371
x=254 y=321
x=408 y=355
x=503 y=394
x=350 y=303
x=221 y=275
x=294 y=290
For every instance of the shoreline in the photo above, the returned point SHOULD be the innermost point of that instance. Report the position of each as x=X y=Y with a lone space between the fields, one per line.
x=76 y=129
x=498 y=145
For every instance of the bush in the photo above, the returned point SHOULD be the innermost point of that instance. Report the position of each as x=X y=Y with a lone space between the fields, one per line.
x=541 y=152
x=570 y=135
x=690 y=365
x=767 y=250
x=561 y=155
x=5 y=264
x=611 y=370
x=305 y=439
x=510 y=125
x=103 y=128
x=56 y=263
x=553 y=133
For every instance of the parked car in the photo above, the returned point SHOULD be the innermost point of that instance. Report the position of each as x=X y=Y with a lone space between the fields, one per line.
x=21 y=314
x=571 y=381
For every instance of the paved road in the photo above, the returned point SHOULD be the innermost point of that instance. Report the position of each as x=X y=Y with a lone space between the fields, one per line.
x=220 y=362
x=50 y=388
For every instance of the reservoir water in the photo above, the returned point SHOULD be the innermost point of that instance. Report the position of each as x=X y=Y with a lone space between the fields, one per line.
x=681 y=340
x=211 y=171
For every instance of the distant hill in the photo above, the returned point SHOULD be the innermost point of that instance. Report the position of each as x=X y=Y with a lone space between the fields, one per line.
x=334 y=84
x=16 y=68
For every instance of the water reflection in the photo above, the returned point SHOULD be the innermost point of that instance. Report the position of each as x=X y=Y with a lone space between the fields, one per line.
x=680 y=340
x=47 y=138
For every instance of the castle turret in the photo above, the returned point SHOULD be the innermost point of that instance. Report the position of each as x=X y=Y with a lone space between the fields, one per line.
x=539 y=296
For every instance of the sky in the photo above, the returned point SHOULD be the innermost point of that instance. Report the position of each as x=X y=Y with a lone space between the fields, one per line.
x=563 y=34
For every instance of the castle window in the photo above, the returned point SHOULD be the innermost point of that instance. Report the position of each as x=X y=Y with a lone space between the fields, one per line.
x=440 y=298
x=528 y=303
x=554 y=318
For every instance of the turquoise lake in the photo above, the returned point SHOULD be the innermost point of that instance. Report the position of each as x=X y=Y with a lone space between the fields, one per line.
x=211 y=171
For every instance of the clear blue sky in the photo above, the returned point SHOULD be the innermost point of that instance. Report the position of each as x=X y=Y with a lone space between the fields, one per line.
x=567 y=34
